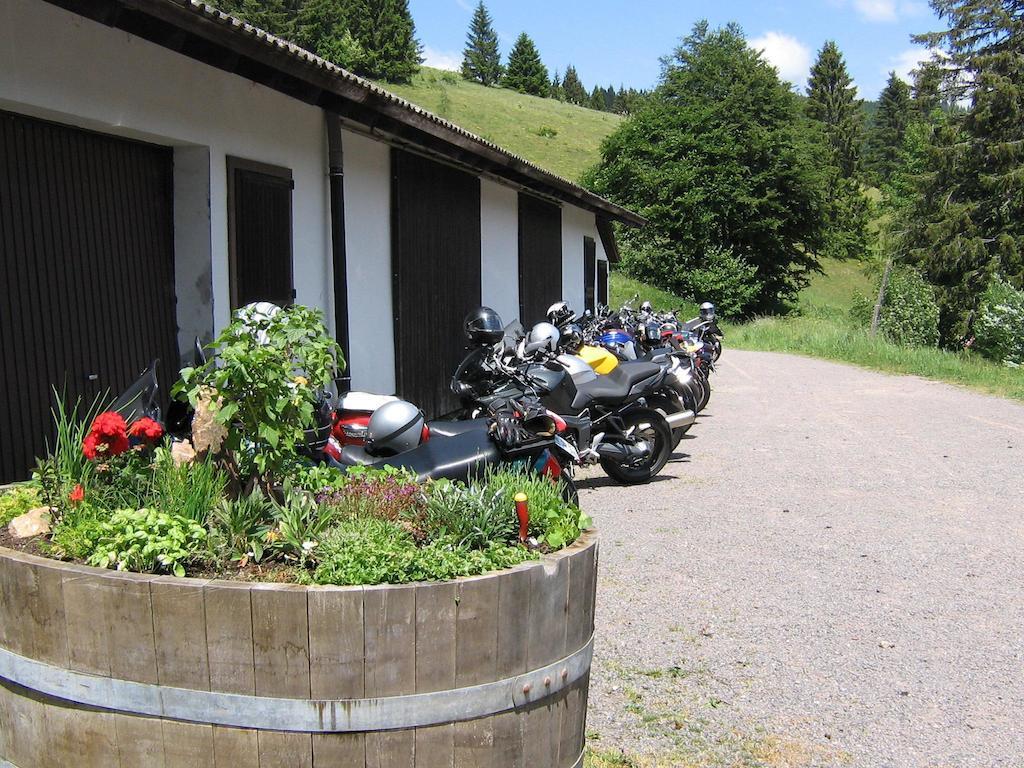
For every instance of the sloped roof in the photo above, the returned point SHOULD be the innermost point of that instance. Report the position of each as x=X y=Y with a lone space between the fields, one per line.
x=202 y=32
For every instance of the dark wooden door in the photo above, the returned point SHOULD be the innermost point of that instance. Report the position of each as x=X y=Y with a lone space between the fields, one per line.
x=589 y=272
x=260 y=233
x=436 y=269
x=87 y=291
x=540 y=257
x=602 y=282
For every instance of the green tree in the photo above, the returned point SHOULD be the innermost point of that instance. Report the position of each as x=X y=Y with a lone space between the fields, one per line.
x=926 y=93
x=573 y=88
x=274 y=16
x=832 y=101
x=718 y=159
x=526 y=73
x=481 y=60
x=968 y=222
x=386 y=33
x=321 y=27
x=885 y=139
x=596 y=100
x=555 y=90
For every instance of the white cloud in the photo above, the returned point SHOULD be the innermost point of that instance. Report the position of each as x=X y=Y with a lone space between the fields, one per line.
x=876 y=10
x=787 y=54
x=904 y=64
x=465 y=5
x=432 y=57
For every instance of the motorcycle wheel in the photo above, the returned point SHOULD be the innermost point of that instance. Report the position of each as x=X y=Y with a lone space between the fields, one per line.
x=701 y=393
x=717 y=347
x=666 y=407
x=570 y=493
x=652 y=427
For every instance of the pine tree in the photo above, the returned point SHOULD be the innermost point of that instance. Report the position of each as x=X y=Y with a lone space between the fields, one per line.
x=385 y=31
x=969 y=221
x=573 y=88
x=555 y=90
x=832 y=101
x=481 y=60
x=597 y=98
x=526 y=73
x=885 y=139
x=272 y=16
x=321 y=27
x=927 y=90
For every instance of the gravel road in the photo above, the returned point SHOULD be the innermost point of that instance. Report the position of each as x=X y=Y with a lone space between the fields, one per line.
x=829 y=573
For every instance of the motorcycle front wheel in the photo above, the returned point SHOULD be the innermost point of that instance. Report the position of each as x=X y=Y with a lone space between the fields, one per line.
x=651 y=427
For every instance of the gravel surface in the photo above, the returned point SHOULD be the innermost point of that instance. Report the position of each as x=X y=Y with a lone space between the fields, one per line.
x=828 y=573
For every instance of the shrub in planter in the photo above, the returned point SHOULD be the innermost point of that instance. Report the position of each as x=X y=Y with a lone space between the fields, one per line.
x=147 y=540
x=910 y=314
x=999 y=327
x=263 y=385
x=17 y=501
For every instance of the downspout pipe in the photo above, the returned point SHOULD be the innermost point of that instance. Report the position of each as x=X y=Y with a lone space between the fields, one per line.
x=339 y=256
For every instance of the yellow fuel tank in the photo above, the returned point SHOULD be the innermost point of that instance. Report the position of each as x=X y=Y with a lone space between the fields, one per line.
x=599 y=358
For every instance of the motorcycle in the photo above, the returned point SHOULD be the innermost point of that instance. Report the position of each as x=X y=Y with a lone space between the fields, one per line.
x=607 y=418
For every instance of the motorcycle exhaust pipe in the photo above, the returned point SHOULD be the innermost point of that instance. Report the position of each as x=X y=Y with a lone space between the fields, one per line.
x=680 y=419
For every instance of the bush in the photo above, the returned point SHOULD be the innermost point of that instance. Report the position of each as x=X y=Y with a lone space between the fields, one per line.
x=553 y=523
x=77 y=532
x=719 y=276
x=371 y=551
x=145 y=540
x=999 y=328
x=238 y=529
x=910 y=314
x=471 y=517
x=17 y=501
x=264 y=384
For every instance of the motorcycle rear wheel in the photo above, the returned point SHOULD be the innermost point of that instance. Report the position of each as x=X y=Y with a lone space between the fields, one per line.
x=652 y=426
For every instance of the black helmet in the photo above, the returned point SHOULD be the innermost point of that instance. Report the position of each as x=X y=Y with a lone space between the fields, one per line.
x=484 y=326
x=559 y=314
x=572 y=338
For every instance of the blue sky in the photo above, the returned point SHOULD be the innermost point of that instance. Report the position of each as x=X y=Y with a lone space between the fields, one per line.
x=612 y=42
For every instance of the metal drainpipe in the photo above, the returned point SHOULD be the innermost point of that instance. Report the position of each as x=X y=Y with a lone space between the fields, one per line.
x=336 y=175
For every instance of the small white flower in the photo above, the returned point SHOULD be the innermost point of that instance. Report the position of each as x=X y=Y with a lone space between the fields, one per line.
x=308 y=546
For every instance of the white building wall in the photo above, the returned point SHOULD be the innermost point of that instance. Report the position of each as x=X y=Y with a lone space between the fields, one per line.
x=60 y=66
x=499 y=246
x=368 y=251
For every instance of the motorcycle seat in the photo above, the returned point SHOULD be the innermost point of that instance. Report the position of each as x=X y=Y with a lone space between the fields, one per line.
x=452 y=428
x=615 y=387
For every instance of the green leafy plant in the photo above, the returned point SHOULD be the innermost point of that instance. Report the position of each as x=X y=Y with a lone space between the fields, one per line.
x=552 y=522
x=238 y=529
x=374 y=551
x=77 y=532
x=472 y=517
x=191 y=489
x=265 y=378
x=300 y=522
x=17 y=501
x=999 y=328
x=71 y=425
x=146 y=540
x=910 y=314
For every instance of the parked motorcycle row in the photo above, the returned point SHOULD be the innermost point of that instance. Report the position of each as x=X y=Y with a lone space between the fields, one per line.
x=617 y=388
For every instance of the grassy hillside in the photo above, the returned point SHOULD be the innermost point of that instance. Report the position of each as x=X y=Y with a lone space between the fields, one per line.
x=561 y=138
x=823 y=328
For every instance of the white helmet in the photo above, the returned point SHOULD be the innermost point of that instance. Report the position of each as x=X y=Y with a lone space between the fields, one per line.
x=559 y=313
x=394 y=428
x=256 y=314
x=646 y=307
x=707 y=311
x=543 y=336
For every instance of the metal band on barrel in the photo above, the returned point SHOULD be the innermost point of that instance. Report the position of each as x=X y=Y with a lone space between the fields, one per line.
x=298 y=715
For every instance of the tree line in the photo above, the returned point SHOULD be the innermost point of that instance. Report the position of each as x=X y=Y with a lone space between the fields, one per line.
x=748 y=184
x=525 y=71
x=373 y=38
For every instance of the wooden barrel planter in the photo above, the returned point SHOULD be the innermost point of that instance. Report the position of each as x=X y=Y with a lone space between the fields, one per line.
x=101 y=669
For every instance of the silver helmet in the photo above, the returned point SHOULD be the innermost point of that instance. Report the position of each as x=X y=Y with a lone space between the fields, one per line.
x=394 y=428
x=646 y=307
x=559 y=313
x=543 y=336
x=707 y=311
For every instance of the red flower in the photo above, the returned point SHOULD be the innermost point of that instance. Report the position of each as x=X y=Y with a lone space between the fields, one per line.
x=146 y=429
x=107 y=436
x=77 y=494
